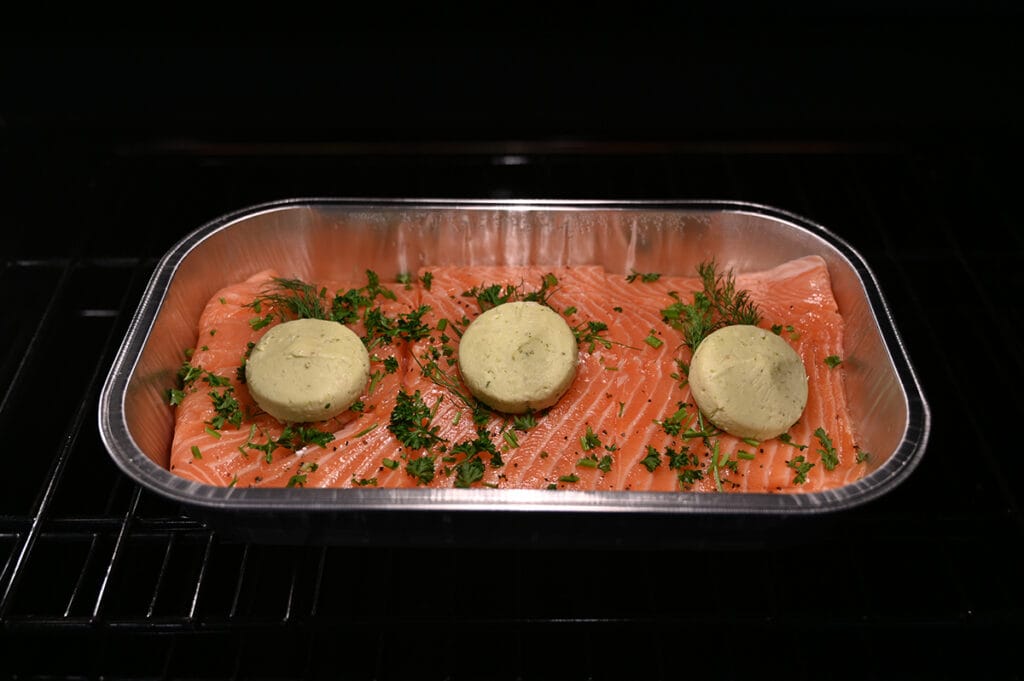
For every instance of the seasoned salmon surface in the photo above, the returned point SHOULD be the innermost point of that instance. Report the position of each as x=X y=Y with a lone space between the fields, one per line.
x=627 y=422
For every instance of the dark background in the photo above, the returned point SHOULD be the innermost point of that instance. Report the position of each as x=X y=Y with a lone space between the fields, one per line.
x=897 y=126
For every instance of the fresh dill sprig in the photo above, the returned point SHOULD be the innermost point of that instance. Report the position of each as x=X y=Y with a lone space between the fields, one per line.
x=718 y=304
x=293 y=298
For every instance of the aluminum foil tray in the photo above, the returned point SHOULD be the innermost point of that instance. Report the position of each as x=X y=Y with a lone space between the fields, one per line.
x=314 y=238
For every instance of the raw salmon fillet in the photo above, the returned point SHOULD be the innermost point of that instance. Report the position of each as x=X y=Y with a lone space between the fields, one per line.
x=627 y=422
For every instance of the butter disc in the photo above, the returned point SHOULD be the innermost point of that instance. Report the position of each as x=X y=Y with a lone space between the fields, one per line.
x=518 y=357
x=307 y=370
x=748 y=381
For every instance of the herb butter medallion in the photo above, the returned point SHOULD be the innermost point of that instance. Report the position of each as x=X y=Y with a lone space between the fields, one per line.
x=518 y=357
x=748 y=381
x=307 y=370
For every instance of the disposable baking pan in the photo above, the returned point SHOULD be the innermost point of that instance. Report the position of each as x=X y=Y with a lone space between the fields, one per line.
x=323 y=237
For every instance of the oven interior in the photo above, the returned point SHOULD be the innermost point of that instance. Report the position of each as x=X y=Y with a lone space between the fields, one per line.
x=100 y=578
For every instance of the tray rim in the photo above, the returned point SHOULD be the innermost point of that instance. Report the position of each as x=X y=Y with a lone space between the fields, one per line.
x=142 y=470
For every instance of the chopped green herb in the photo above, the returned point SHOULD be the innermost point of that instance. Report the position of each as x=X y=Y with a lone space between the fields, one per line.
x=215 y=380
x=571 y=310
x=590 y=440
x=524 y=422
x=258 y=323
x=787 y=439
x=196 y=454
x=829 y=456
x=744 y=455
x=647 y=277
x=210 y=431
x=863 y=456
x=689 y=476
x=364 y=482
x=389 y=463
x=590 y=333
x=422 y=469
x=298 y=480
x=227 y=408
x=405 y=279
x=410 y=422
x=801 y=466
x=652 y=460
x=681 y=459
x=427 y=278
x=175 y=396
x=718 y=304
x=653 y=340
x=569 y=478
x=832 y=361
x=673 y=425
x=188 y=374
x=511 y=439
x=469 y=471
x=716 y=461
x=367 y=430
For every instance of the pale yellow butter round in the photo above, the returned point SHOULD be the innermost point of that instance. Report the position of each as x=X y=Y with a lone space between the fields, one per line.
x=748 y=381
x=518 y=357
x=307 y=370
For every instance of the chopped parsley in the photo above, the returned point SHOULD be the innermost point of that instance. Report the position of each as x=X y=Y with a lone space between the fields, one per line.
x=673 y=425
x=646 y=277
x=422 y=469
x=652 y=460
x=681 y=459
x=410 y=422
x=832 y=361
x=591 y=461
x=829 y=456
x=293 y=437
x=469 y=471
x=802 y=468
x=590 y=440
